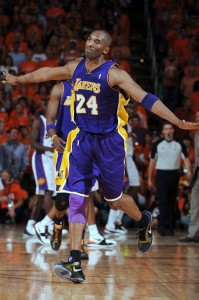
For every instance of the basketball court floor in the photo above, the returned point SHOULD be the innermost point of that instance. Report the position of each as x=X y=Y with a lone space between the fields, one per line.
x=170 y=271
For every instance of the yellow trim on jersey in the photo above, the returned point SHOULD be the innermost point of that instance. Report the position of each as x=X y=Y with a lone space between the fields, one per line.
x=122 y=113
x=64 y=168
x=124 y=135
x=72 y=106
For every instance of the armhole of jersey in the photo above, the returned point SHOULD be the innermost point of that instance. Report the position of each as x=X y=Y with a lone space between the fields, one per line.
x=113 y=65
x=76 y=67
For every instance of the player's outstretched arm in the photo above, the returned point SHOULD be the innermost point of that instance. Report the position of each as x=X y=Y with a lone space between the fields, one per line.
x=151 y=102
x=42 y=74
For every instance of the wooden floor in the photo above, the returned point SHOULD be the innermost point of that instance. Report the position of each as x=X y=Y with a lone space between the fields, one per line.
x=169 y=271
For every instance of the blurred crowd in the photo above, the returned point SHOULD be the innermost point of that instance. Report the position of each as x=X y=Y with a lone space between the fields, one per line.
x=42 y=33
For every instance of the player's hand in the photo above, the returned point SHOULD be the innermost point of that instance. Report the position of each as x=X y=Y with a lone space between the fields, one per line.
x=58 y=144
x=7 y=78
x=188 y=125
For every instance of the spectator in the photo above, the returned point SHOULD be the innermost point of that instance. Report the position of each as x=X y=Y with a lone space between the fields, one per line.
x=11 y=200
x=190 y=150
x=2 y=132
x=184 y=204
x=187 y=82
x=17 y=55
x=39 y=53
x=194 y=97
x=170 y=80
x=137 y=129
x=13 y=156
x=28 y=65
x=8 y=65
x=72 y=52
x=18 y=117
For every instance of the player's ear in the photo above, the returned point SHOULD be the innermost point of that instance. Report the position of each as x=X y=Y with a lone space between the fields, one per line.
x=106 y=50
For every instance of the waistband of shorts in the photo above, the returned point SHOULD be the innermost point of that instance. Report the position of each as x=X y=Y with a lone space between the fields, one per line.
x=98 y=135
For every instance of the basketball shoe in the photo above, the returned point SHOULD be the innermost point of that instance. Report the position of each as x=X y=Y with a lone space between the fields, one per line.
x=42 y=233
x=56 y=237
x=51 y=226
x=99 y=242
x=84 y=254
x=69 y=270
x=145 y=235
x=117 y=229
x=29 y=229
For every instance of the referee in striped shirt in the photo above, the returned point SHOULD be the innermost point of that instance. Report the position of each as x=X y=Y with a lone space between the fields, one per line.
x=166 y=155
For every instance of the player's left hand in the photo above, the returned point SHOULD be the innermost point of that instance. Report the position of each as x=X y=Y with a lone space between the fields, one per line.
x=188 y=125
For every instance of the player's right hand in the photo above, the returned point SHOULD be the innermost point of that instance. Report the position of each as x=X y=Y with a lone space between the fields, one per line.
x=58 y=144
x=7 y=78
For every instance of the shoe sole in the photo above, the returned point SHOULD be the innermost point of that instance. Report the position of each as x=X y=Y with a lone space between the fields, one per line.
x=65 y=274
x=40 y=237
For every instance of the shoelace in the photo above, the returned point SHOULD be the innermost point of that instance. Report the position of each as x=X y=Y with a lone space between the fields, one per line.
x=57 y=235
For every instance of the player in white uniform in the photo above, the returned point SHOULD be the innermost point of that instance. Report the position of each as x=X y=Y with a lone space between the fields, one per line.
x=43 y=169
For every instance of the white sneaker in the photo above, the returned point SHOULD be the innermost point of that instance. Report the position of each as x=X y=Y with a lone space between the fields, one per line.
x=100 y=242
x=42 y=233
x=29 y=231
x=119 y=229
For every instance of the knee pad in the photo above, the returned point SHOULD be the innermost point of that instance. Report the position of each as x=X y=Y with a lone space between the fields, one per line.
x=62 y=201
x=77 y=209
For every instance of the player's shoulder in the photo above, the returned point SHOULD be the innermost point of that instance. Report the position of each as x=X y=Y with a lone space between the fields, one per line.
x=71 y=65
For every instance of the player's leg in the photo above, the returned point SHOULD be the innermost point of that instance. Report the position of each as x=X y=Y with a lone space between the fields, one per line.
x=96 y=240
x=112 y=177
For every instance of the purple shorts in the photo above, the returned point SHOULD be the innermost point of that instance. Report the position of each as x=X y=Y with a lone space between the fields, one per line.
x=97 y=157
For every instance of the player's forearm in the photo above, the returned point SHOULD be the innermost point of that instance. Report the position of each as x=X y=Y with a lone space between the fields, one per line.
x=39 y=147
x=162 y=111
x=40 y=75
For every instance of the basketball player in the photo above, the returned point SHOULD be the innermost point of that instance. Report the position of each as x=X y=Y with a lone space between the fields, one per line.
x=43 y=170
x=99 y=141
x=59 y=111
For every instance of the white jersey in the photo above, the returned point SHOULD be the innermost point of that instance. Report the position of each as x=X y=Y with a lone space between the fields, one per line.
x=44 y=137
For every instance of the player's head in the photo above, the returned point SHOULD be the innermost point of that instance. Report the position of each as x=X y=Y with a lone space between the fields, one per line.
x=98 y=44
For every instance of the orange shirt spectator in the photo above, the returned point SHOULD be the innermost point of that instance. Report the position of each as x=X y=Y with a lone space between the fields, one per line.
x=4 y=117
x=14 y=192
x=18 y=117
x=187 y=82
x=55 y=10
x=28 y=65
x=194 y=97
x=171 y=69
x=3 y=136
x=123 y=48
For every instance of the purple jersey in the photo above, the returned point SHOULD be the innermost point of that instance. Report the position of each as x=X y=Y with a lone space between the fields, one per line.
x=96 y=102
x=63 y=123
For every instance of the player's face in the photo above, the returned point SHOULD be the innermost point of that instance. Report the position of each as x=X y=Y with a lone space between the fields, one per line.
x=95 y=46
